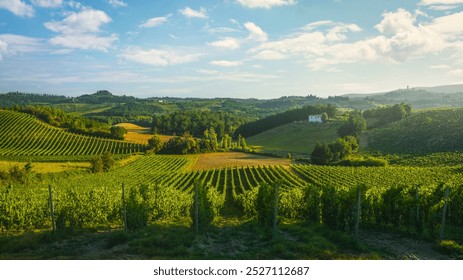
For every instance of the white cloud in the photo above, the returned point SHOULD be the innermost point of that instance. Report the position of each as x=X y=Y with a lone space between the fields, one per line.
x=227 y=43
x=17 y=7
x=226 y=63
x=157 y=57
x=267 y=4
x=117 y=3
x=86 y=21
x=439 y=2
x=3 y=49
x=190 y=13
x=80 y=31
x=440 y=66
x=84 y=41
x=13 y=44
x=443 y=7
x=47 y=3
x=153 y=22
x=75 y=5
x=269 y=55
x=255 y=32
x=401 y=37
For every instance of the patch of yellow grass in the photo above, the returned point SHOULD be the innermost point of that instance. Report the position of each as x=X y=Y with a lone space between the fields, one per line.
x=233 y=159
x=133 y=127
x=136 y=137
x=46 y=167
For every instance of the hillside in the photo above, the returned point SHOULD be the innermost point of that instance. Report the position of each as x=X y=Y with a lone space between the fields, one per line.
x=423 y=132
x=298 y=138
x=24 y=135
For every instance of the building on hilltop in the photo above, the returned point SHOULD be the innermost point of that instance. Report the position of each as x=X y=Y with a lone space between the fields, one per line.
x=315 y=118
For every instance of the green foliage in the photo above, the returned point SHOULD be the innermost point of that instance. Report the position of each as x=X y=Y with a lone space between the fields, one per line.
x=182 y=145
x=118 y=132
x=253 y=128
x=265 y=205
x=155 y=143
x=103 y=163
x=321 y=154
x=387 y=114
x=23 y=135
x=368 y=161
x=136 y=206
x=423 y=132
x=206 y=206
x=354 y=126
x=324 y=117
x=195 y=122
x=343 y=147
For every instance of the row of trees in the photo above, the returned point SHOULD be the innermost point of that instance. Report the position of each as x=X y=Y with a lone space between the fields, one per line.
x=195 y=122
x=187 y=144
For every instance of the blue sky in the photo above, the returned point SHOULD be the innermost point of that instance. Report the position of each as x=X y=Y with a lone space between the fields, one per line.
x=229 y=48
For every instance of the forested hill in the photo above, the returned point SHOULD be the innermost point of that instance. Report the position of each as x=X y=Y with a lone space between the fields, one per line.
x=422 y=132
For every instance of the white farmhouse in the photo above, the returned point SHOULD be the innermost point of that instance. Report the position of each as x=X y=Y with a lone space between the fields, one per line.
x=315 y=119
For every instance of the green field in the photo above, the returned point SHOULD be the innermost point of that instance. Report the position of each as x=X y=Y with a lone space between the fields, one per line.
x=297 y=138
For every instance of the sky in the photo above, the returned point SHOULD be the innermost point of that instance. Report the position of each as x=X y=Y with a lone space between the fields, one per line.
x=229 y=48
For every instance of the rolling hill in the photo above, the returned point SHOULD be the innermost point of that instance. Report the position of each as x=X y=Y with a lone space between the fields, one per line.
x=298 y=138
x=24 y=135
x=422 y=132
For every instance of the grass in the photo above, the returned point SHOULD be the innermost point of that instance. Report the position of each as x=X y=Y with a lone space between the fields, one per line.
x=295 y=138
x=227 y=239
x=47 y=167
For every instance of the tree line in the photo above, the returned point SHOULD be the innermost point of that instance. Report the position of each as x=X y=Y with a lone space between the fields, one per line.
x=253 y=128
x=195 y=122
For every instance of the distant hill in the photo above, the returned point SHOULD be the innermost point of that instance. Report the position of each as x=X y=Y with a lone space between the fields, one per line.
x=297 y=138
x=422 y=132
x=444 y=89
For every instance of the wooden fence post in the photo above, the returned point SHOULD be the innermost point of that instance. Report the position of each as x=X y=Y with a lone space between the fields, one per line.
x=417 y=210
x=275 y=208
x=444 y=212
x=124 y=209
x=52 y=210
x=357 y=216
x=196 y=216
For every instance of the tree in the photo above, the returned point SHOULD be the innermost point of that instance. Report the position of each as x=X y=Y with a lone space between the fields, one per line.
x=96 y=165
x=354 y=126
x=108 y=161
x=118 y=132
x=321 y=154
x=103 y=163
x=155 y=143
x=324 y=117
x=344 y=147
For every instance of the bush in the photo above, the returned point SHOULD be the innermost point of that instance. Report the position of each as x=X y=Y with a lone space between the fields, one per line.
x=369 y=161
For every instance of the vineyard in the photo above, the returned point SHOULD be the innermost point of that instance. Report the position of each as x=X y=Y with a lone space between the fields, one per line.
x=22 y=135
x=160 y=188
x=423 y=132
